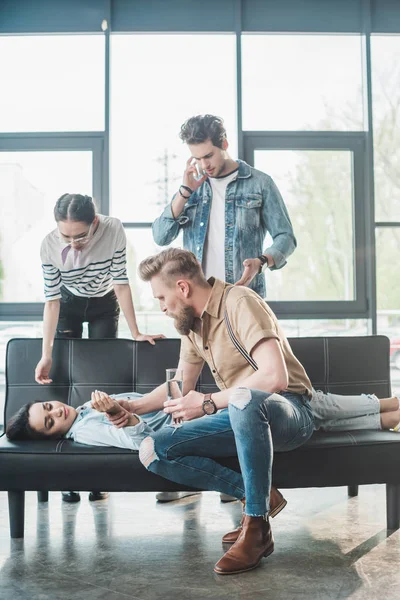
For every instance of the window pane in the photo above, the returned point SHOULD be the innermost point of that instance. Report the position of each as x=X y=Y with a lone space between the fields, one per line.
x=150 y=319
x=304 y=82
x=317 y=189
x=8 y=331
x=324 y=327
x=159 y=81
x=386 y=114
x=387 y=269
x=30 y=183
x=388 y=294
x=52 y=83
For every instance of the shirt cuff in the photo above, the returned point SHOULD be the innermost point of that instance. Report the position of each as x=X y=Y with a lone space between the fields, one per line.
x=279 y=258
x=55 y=297
x=167 y=214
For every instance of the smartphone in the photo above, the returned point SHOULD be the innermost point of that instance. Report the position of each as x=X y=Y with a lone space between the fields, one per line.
x=200 y=172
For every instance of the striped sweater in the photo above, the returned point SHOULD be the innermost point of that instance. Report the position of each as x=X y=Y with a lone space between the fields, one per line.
x=102 y=262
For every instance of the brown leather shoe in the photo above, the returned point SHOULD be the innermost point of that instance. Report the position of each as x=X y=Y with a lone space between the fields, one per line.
x=276 y=503
x=254 y=542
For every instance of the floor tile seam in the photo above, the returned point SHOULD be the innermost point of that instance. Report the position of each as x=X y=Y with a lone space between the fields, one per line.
x=95 y=586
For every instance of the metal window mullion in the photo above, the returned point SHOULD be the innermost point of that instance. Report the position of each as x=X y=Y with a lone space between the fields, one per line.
x=239 y=95
x=21 y=311
x=97 y=174
x=107 y=96
x=369 y=207
x=39 y=141
x=137 y=225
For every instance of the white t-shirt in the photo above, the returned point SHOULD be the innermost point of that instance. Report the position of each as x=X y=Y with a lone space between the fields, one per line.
x=214 y=247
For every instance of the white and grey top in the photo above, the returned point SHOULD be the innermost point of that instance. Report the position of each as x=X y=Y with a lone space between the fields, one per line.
x=102 y=262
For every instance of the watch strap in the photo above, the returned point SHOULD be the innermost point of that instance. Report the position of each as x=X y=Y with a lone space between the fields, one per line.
x=264 y=260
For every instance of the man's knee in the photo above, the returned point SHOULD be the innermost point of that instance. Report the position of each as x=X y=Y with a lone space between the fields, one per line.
x=147 y=453
x=242 y=398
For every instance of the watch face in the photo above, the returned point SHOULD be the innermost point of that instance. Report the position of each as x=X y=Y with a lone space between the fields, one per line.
x=208 y=407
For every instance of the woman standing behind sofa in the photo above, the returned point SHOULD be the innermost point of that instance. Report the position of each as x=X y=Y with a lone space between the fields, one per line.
x=85 y=279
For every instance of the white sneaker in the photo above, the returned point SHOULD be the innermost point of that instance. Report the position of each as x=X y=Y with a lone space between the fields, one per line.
x=170 y=496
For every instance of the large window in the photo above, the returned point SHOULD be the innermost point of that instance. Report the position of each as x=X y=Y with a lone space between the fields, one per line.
x=321 y=178
x=303 y=97
x=386 y=113
x=318 y=192
x=52 y=83
x=34 y=173
x=302 y=82
x=158 y=81
x=30 y=183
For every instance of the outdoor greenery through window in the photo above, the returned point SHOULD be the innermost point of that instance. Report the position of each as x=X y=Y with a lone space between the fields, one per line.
x=317 y=189
x=386 y=113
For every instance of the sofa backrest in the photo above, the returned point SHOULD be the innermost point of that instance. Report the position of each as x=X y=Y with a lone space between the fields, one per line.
x=348 y=365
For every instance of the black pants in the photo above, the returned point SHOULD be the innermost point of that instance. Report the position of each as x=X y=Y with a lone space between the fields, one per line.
x=101 y=314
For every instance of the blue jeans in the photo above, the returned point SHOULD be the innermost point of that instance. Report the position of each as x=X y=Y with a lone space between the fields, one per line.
x=253 y=426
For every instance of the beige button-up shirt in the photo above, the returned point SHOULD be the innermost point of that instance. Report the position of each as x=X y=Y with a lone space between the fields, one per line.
x=252 y=320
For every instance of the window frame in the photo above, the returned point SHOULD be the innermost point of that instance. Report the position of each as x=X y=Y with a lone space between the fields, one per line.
x=353 y=142
x=53 y=142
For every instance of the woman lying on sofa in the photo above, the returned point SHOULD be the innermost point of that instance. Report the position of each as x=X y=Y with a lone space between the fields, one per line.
x=93 y=423
x=87 y=424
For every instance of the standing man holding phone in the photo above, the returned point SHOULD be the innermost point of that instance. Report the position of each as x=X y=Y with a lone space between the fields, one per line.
x=226 y=208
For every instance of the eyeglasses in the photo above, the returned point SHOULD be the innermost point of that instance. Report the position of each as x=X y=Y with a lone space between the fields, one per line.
x=83 y=238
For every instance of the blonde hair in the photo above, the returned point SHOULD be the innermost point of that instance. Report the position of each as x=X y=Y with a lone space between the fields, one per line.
x=172 y=263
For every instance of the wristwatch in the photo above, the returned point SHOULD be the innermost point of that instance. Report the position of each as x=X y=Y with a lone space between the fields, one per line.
x=209 y=406
x=263 y=259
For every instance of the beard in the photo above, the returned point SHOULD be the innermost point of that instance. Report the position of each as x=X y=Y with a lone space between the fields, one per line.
x=184 y=320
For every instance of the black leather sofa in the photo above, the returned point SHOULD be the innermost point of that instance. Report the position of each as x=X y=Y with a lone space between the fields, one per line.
x=338 y=364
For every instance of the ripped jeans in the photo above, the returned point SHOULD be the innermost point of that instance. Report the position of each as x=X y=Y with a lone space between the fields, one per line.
x=254 y=425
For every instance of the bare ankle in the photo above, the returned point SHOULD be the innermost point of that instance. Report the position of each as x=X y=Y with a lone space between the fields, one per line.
x=389 y=420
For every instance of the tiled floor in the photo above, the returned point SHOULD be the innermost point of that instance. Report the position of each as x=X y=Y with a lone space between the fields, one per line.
x=326 y=547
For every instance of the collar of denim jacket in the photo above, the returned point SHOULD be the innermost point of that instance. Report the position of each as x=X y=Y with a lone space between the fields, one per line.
x=244 y=169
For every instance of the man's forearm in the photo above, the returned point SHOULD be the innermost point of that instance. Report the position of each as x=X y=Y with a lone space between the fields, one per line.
x=151 y=402
x=178 y=204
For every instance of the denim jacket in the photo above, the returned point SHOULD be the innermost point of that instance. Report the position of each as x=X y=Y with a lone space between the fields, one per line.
x=253 y=207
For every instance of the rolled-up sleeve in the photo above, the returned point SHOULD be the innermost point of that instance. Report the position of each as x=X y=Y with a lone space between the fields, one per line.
x=278 y=224
x=105 y=434
x=166 y=228
x=189 y=352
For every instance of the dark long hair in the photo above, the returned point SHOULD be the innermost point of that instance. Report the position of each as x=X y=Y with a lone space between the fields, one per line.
x=18 y=427
x=75 y=207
